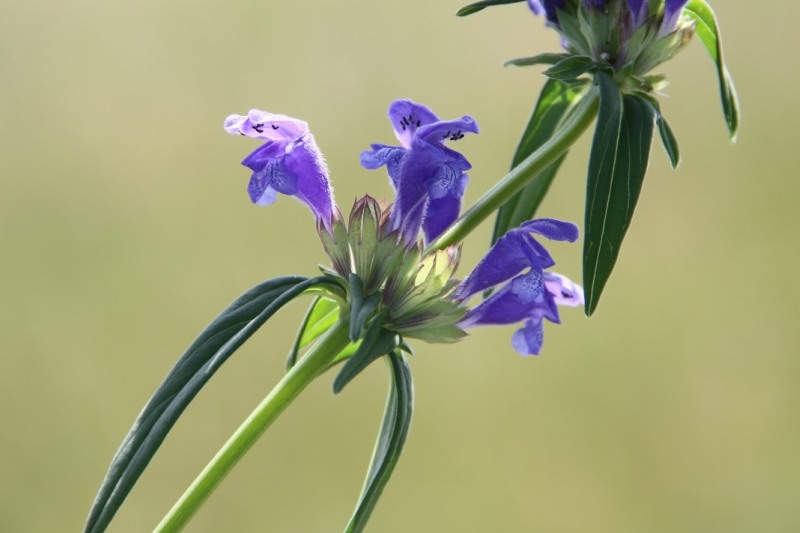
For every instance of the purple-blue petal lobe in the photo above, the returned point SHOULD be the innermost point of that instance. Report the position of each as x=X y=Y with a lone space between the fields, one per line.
x=439 y=214
x=407 y=117
x=529 y=339
x=380 y=155
x=553 y=229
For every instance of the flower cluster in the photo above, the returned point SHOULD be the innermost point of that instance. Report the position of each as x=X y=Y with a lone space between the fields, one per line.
x=378 y=254
x=630 y=36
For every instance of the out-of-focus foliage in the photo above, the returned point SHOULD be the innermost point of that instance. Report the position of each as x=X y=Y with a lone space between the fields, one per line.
x=125 y=226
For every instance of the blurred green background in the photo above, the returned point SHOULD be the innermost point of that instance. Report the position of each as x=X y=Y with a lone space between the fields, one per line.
x=125 y=227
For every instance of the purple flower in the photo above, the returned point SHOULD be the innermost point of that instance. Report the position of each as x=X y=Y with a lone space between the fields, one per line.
x=596 y=4
x=639 y=10
x=672 y=12
x=548 y=7
x=529 y=296
x=289 y=162
x=429 y=177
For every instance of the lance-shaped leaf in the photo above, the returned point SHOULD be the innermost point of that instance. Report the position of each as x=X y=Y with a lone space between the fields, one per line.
x=708 y=32
x=392 y=437
x=617 y=165
x=483 y=4
x=377 y=342
x=556 y=102
x=192 y=371
x=539 y=59
x=322 y=314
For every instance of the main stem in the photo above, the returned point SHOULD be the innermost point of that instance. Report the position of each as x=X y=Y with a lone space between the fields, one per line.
x=292 y=384
x=522 y=174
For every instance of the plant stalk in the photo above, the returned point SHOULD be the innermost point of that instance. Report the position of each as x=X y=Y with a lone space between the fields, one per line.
x=293 y=383
x=522 y=174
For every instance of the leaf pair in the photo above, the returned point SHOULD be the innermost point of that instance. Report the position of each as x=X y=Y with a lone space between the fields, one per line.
x=196 y=366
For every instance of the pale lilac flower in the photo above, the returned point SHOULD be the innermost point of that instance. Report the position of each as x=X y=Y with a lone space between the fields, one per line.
x=289 y=162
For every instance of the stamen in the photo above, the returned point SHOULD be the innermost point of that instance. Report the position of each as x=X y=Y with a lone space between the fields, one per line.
x=274 y=126
x=259 y=128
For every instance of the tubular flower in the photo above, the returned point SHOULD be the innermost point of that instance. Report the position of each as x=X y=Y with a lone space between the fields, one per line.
x=428 y=177
x=289 y=162
x=528 y=296
x=629 y=36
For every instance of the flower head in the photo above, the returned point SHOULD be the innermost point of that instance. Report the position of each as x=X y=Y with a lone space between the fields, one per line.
x=531 y=294
x=629 y=36
x=289 y=162
x=429 y=177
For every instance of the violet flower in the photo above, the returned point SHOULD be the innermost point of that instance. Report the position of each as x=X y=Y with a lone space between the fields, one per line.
x=428 y=177
x=672 y=12
x=288 y=163
x=530 y=296
x=548 y=7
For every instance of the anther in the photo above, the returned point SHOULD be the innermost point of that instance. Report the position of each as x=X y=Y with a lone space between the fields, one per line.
x=259 y=128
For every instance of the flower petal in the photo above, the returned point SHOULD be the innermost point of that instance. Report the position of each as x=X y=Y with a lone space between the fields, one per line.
x=672 y=12
x=304 y=160
x=439 y=214
x=529 y=339
x=502 y=307
x=505 y=259
x=556 y=230
x=380 y=155
x=444 y=130
x=563 y=290
x=406 y=117
x=266 y=126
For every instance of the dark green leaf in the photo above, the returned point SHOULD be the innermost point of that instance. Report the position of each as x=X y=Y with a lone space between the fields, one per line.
x=478 y=6
x=708 y=31
x=540 y=59
x=668 y=140
x=392 y=437
x=376 y=342
x=321 y=315
x=570 y=68
x=618 y=163
x=192 y=371
x=556 y=103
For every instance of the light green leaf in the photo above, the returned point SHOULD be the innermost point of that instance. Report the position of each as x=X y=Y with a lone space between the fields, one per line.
x=540 y=59
x=483 y=4
x=320 y=317
x=708 y=32
x=617 y=166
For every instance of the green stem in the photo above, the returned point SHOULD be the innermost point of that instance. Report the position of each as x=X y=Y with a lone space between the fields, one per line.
x=309 y=367
x=522 y=174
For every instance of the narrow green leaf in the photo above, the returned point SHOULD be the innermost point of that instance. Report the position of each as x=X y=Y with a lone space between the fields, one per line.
x=391 y=439
x=617 y=166
x=192 y=371
x=540 y=59
x=556 y=103
x=668 y=140
x=483 y=4
x=570 y=68
x=376 y=342
x=708 y=31
x=322 y=314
